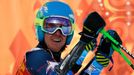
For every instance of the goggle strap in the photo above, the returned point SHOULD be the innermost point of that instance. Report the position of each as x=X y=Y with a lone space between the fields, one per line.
x=38 y=22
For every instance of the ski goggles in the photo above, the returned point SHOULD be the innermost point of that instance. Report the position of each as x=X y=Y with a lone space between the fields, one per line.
x=52 y=24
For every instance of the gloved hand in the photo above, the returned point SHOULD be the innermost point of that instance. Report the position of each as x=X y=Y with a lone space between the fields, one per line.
x=92 y=25
x=91 y=45
x=101 y=59
x=105 y=49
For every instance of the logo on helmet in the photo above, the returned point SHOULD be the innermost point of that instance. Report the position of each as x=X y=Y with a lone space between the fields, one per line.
x=45 y=9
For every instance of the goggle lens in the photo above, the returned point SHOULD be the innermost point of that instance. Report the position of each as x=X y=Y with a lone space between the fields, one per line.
x=51 y=25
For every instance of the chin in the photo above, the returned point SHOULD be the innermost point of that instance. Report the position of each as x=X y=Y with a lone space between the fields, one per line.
x=55 y=49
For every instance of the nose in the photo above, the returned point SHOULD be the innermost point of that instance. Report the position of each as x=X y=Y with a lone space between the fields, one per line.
x=58 y=32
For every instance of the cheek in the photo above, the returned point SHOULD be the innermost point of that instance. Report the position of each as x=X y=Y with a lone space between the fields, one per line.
x=46 y=38
x=64 y=39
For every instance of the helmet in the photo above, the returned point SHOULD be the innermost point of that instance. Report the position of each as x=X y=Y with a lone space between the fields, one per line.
x=53 y=9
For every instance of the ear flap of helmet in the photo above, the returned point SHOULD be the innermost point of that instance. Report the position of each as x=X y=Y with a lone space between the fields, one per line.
x=39 y=33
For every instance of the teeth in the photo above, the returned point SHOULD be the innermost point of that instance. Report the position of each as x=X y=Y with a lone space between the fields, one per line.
x=57 y=40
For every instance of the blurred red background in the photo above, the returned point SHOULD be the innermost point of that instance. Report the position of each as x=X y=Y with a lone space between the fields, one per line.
x=18 y=35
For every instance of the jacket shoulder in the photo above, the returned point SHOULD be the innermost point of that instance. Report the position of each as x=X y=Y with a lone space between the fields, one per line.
x=36 y=59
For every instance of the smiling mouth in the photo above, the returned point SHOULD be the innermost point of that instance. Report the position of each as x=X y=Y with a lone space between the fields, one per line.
x=57 y=40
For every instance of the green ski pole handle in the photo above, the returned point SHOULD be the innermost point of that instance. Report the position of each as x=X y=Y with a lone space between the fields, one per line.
x=116 y=42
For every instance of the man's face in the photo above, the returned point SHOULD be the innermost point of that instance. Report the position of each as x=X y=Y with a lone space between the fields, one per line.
x=55 y=41
x=56 y=31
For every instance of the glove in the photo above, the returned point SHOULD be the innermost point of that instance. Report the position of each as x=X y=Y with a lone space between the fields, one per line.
x=101 y=59
x=92 y=25
x=105 y=50
x=92 y=45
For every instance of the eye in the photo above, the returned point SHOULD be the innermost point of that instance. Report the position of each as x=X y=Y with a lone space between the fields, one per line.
x=49 y=25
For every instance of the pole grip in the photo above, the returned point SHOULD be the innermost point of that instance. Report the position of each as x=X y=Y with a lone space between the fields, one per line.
x=106 y=34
